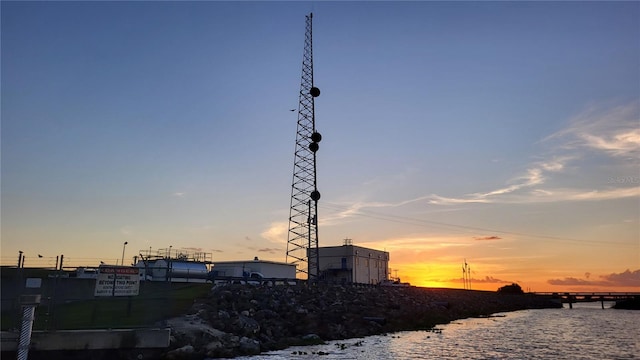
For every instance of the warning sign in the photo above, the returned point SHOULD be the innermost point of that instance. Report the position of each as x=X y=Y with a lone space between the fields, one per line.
x=117 y=281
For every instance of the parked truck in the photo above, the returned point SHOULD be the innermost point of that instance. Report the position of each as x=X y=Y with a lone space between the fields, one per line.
x=252 y=272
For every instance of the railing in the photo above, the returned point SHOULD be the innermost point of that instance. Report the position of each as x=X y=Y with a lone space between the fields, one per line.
x=575 y=297
x=587 y=296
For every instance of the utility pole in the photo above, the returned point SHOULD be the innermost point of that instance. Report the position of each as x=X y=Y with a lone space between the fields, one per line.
x=466 y=275
x=302 y=242
x=123 y=247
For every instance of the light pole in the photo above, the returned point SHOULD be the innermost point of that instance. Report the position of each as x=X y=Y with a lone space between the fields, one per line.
x=124 y=246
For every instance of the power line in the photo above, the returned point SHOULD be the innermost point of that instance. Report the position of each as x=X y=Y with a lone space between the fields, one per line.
x=424 y=222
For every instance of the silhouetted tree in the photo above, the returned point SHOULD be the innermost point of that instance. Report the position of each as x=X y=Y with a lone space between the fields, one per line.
x=511 y=289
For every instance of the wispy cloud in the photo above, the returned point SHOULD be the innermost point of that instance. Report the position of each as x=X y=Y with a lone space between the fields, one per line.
x=534 y=176
x=441 y=200
x=276 y=232
x=270 y=250
x=600 y=194
x=565 y=194
x=614 y=131
x=524 y=184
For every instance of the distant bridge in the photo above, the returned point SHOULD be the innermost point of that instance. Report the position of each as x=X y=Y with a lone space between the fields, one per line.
x=574 y=297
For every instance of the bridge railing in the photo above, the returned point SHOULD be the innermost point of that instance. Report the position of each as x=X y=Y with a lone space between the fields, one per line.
x=582 y=294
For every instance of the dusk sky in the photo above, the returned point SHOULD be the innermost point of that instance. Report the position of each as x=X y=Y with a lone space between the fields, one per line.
x=503 y=133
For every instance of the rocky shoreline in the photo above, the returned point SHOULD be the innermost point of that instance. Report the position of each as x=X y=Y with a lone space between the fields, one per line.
x=239 y=320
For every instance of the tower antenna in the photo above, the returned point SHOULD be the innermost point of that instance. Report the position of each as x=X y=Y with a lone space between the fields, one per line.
x=302 y=242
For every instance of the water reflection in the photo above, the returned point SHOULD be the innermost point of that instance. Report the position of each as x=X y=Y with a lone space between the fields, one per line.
x=584 y=332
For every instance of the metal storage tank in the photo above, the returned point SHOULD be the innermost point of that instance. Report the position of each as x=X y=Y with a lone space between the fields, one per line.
x=159 y=270
x=188 y=271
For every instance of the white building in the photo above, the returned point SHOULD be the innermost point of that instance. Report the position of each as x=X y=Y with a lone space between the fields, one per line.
x=353 y=264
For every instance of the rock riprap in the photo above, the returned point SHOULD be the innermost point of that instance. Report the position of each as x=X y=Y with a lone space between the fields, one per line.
x=244 y=320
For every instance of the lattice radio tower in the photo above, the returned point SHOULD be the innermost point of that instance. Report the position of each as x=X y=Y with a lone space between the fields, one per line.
x=302 y=243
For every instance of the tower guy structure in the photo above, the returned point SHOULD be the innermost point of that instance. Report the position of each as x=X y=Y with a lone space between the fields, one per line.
x=302 y=242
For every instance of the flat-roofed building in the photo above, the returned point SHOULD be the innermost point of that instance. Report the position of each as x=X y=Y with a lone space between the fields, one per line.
x=353 y=264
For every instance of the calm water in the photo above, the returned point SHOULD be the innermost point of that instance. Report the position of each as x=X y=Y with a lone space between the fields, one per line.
x=584 y=332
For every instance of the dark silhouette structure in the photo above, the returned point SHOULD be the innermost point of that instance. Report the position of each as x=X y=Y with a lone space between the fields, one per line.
x=302 y=242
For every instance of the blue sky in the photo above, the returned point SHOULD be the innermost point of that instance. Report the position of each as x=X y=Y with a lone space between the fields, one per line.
x=505 y=133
